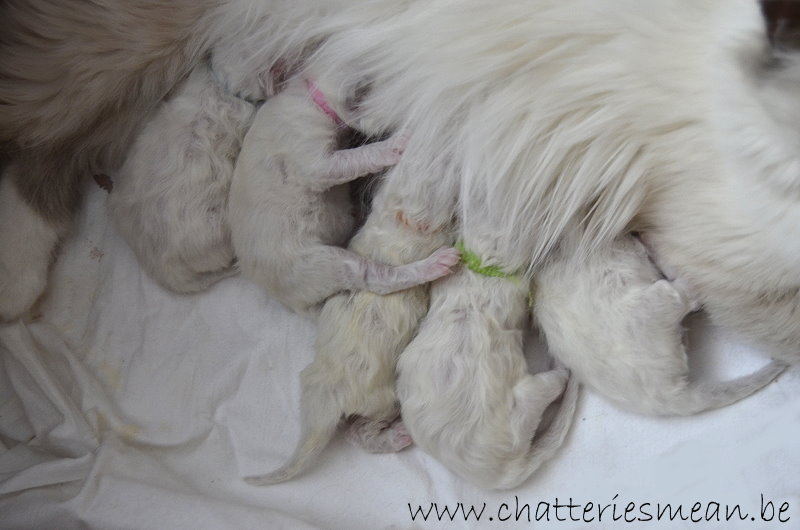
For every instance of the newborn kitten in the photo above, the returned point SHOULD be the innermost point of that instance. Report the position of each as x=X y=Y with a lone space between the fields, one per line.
x=361 y=334
x=290 y=212
x=616 y=323
x=170 y=196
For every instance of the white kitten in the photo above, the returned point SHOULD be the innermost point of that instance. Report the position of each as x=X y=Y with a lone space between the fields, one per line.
x=616 y=323
x=466 y=394
x=361 y=334
x=289 y=209
x=170 y=196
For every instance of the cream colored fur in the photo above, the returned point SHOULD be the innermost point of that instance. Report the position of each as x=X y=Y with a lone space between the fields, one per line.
x=466 y=395
x=745 y=266
x=564 y=113
x=79 y=79
x=289 y=205
x=558 y=117
x=361 y=334
x=170 y=197
x=616 y=323
x=604 y=116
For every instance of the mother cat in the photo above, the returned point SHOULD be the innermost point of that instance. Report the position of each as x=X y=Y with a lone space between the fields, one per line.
x=672 y=116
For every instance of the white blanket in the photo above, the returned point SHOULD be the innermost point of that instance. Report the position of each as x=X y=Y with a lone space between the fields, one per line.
x=124 y=406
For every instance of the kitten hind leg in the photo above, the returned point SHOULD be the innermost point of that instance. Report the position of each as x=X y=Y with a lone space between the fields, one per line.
x=532 y=395
x=347 y=165
x=322 y=271
x=378 y=436
x=380 y=278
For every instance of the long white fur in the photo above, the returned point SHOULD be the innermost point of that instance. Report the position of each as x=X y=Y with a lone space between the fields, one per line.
x=568 y=115
x=607 y=115
x=170 y=197
x=604 y=116
x=616 y=323
x=289 y=207
x=745 y=266
x=466 y=395
x=361 y=334
x=532 y=106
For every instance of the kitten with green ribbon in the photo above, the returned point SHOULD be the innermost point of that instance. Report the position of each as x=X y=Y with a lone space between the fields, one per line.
x=466 y=394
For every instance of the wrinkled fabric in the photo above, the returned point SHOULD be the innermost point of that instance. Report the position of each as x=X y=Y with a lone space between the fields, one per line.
x=125 y=406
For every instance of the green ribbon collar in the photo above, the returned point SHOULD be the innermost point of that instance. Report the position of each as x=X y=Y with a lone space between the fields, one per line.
x=473 y=262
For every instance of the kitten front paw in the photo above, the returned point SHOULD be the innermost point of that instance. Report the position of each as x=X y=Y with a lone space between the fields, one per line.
x=441 y=263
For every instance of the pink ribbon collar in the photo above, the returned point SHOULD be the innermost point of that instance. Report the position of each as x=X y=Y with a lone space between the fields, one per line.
x=322 y=102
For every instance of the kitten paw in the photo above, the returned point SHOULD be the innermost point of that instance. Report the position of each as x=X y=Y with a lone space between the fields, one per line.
x=400 y=439
x=441 y=263
x=378 y=436
x=398 y=144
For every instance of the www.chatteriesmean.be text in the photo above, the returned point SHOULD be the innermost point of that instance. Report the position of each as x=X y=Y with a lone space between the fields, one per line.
x=614 y=511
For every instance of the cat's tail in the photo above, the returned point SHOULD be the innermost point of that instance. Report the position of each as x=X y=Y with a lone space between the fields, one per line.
x=321 y=416
x=695 y=397
x=545 y=444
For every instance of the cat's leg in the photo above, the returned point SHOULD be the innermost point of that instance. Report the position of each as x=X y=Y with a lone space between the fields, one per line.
x=321 y=271
x=378 y=436
x=346 y=165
